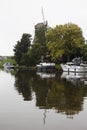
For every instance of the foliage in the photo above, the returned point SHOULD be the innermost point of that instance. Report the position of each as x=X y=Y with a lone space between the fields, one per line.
x=34 y=55
x=84 y=52
x=64 y=41
x=22 y=47
x=58 y=67
x=38 y=48
x=58 y=44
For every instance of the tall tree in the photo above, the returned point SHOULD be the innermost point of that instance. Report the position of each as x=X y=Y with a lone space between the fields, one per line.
x=22 y=47
x=65 y=41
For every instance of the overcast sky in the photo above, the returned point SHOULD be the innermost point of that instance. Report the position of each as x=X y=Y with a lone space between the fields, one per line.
x=20 y=16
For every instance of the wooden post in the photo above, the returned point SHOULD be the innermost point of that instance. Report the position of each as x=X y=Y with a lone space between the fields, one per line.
x=75 y=71
x=68 y=71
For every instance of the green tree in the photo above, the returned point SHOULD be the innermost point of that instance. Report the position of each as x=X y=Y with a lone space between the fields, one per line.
x=37 y=53
x=22 y=47
x=64 y=41
x=84 y=52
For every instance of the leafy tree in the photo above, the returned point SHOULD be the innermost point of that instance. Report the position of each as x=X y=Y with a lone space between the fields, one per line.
x=37 y=52
x=64 y=41
x=22 y=47
x=84 y=52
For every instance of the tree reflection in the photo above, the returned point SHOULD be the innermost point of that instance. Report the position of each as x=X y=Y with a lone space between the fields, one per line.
x=51 y=93
x=65 y=98
x=22 y=84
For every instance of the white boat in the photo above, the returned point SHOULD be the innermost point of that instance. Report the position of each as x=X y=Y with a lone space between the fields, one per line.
x=8 y=65
x=45 y=66
x=85 y=82
x=71 y=67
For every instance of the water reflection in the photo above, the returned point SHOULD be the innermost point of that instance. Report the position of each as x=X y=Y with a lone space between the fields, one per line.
x=46 y=75
x=7 y=70
x=51 y=93
x=23 y=84
x=77 y=79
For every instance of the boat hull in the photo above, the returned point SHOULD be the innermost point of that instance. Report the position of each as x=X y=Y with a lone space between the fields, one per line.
x=73 y=68
x=45 y=66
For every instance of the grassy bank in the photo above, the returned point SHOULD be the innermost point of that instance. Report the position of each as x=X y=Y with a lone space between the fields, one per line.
x=12 y=61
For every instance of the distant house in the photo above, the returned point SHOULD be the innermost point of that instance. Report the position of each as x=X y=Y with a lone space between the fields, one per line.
x=3 y=58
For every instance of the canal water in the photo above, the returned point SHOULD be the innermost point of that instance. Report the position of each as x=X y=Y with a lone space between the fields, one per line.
x=31 y=100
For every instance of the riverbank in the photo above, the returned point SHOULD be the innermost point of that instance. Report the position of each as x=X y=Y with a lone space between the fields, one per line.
x=25 y=67
x=12 y=61
x=57 y=67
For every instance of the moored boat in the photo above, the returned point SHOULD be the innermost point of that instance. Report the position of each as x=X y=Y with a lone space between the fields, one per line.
x=74 y=66
x=8 y=65
x=70 y=67
x=45 y=66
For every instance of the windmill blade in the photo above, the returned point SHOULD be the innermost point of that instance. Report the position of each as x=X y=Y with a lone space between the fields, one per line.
x=43 y=16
